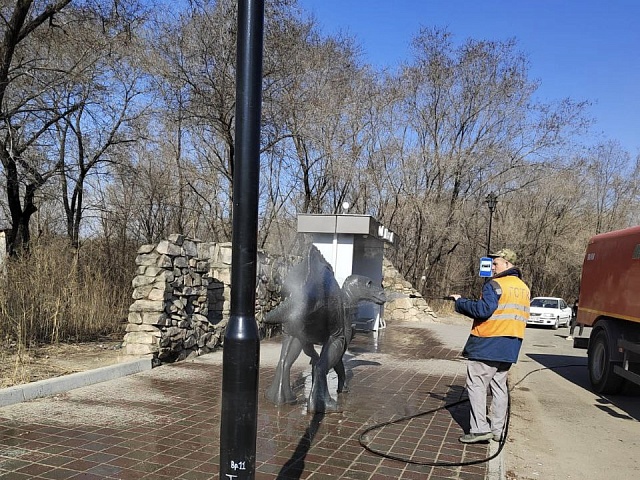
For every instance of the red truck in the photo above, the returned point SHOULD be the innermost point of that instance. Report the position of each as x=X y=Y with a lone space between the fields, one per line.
x=610 y=303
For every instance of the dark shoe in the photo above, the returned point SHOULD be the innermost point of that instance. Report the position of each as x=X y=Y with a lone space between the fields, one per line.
x=476 y=437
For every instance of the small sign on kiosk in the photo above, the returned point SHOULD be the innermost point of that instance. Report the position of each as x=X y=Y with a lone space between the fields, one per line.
x=485 y=267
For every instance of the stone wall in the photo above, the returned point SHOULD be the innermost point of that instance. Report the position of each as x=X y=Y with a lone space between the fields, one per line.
x=409 y=305
x=182 y=297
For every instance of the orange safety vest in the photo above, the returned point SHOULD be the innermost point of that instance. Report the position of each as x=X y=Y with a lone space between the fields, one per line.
x=511 y=315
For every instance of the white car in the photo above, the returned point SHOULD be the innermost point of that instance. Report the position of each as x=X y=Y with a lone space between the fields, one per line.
x=551 y=311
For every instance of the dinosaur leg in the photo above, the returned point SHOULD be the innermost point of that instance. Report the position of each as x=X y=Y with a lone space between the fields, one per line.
x=319 y=399
x=311 y=352
x=280 y=391
x=342 y=377
x=339 y=368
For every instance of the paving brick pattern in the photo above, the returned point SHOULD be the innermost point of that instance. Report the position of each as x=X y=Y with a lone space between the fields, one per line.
x=155 y=425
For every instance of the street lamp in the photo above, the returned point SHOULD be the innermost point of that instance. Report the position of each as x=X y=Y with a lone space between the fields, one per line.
x=492 y=201
x=241 y=352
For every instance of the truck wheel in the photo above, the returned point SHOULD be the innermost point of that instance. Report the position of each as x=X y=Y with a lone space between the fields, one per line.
x=601 y=373
x=557 y=324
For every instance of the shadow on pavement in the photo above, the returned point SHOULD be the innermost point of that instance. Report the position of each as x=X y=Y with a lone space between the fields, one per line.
x=574 y=369
x=295 y=466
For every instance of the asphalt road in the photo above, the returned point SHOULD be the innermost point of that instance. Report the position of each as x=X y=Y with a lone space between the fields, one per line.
x=559 y=428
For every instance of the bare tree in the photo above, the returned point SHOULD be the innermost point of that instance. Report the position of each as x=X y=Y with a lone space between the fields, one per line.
x=40 y=75
x=471 y=126
x=320 y=96
x=610 y=182
x=25 y=74
x=90 y=137
x=195 y=66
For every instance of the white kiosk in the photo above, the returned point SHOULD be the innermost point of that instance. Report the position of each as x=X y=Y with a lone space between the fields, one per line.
x=352 y=244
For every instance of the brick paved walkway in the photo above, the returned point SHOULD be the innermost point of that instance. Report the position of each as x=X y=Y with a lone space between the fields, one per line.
x=164 y=423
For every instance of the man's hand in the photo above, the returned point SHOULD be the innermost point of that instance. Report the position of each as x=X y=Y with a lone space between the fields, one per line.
x=454 y=296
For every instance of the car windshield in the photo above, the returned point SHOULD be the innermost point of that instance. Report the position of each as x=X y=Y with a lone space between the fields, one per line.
x=544 y=303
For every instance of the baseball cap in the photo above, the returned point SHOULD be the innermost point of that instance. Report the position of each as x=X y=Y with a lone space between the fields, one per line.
x=506 y=253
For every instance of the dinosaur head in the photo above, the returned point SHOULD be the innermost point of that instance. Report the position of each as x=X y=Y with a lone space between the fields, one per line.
x=358 y=288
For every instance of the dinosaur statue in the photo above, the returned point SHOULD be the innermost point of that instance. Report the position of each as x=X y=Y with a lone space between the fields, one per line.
x=316 y=311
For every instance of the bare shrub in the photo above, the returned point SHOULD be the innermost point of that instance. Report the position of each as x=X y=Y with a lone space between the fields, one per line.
x=56 y=293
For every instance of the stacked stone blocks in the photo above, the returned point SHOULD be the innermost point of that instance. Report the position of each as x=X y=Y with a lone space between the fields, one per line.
x=179 y=303
x=182 y=297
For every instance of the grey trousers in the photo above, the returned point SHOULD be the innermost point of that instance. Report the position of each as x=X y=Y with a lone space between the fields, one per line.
x=483 y=375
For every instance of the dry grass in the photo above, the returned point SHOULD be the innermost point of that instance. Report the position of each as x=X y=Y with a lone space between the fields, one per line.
x=59 y=295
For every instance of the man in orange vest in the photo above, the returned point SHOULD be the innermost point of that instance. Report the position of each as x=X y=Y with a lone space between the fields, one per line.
x=499 y=321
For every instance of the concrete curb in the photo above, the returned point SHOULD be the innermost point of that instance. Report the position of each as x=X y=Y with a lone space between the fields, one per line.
x=51 y=386
x=496 y=465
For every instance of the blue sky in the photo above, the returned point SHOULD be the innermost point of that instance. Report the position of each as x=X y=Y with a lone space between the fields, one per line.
x=582 y=49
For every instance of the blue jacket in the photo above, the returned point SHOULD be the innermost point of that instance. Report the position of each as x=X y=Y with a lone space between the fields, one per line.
x=497 y=349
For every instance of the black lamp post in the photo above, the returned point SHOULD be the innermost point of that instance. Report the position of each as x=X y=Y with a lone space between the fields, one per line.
x=492 y=201
x=241 y=351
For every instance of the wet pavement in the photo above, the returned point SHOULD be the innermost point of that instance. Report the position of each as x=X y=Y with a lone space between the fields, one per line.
x=406 y=384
